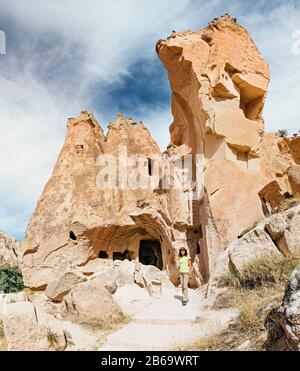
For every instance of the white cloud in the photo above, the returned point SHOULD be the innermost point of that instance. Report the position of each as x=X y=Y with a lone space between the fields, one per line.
x=98 y=40
x=36 y=97
x=32 y=125
x=110 y=35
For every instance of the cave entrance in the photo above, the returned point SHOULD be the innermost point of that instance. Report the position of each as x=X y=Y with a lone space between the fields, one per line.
x=150 y=253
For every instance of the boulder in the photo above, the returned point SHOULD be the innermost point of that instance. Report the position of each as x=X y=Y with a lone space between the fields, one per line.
x=108 y=278
x=63 y=284
x=44 y=303
x=132 y=299
x=155 y=280
x=278 y=234
x=126 y=274
x=126 y=270
x=29 y=329
x=253 y=245
x=122 y=273
x=292 y=234
x=283 y=323
x=276 y=226
x=294 y=179
x=91 y=303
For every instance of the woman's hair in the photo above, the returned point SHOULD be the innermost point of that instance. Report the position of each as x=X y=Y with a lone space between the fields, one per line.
x=185 y=252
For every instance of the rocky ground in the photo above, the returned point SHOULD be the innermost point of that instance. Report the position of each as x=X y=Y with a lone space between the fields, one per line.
x=128 y=306
x=166 y=325
x=243 y=234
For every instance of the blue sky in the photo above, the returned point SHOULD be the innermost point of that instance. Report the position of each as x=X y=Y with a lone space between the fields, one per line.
x=64 y=56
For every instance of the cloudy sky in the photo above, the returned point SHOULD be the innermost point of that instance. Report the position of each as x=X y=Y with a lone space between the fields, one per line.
x=64 y=56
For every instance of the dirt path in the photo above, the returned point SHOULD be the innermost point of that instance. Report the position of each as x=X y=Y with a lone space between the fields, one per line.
x=166 y=325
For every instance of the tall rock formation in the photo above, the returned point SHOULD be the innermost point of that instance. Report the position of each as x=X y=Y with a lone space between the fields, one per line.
x=86 y=224
x=219 y=83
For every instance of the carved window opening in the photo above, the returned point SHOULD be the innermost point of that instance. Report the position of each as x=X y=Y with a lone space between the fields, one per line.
x=198 y=248
x=79 y=149
x=150 y=170
x=103 y=255
x=121 y=256
x=73 y=236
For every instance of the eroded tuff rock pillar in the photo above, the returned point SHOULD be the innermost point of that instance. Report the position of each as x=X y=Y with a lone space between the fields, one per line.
x=219 y=83
x=70 y=201
x=79 y=223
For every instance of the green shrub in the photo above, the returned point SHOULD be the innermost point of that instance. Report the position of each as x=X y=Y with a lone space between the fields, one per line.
x=11 y=280
x=289 y=203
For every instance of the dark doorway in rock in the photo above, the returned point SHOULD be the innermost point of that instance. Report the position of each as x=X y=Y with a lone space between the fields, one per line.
x=150 y=253
x=103 y=255
x=121 y=256
x=150 y=166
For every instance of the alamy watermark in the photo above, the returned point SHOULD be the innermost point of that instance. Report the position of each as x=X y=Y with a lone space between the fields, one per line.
x=2 y=43
x=296 y=43
x=152 y=172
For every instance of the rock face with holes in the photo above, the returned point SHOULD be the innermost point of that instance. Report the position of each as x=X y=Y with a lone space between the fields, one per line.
x=83 y=222
x=10 y=249
x=219 y=83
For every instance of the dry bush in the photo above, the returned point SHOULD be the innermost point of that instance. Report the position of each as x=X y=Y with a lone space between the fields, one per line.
x=1 y=330
x=52 y=338
x=3 y=345
x=265 y=271
x=255 y=292
x=208 y=344
x=289 y=203
x=254 y=306
x=261 y=282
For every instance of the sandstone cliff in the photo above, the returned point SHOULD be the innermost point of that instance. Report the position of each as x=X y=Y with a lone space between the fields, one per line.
x=79 y=219
x=219 y=84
